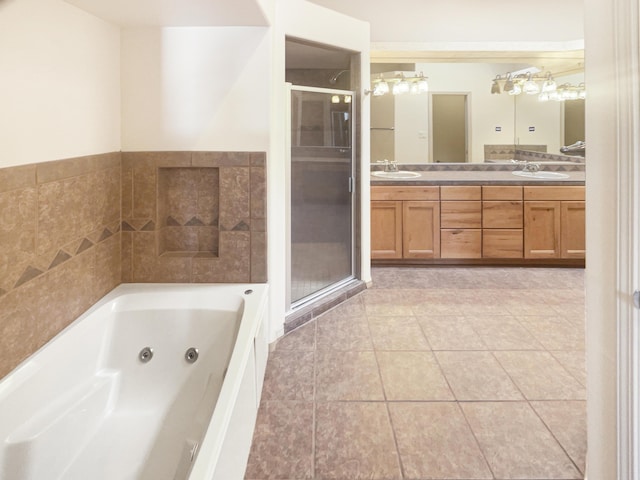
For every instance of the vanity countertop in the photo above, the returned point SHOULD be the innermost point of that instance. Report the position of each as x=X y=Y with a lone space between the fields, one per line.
x=487 y=177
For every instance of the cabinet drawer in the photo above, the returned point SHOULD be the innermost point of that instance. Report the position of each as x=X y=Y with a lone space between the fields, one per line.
x=461 y=214
x=554 y=193
x=404 y=193
x=502 y=214
x=502 y=243
x=491 y=192
x=460 y=243
x=454 y=192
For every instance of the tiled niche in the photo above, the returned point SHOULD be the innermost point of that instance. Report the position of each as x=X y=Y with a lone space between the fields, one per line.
x=188 y=211
x=193 y=217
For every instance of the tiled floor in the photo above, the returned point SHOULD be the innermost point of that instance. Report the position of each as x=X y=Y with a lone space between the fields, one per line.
x=434 y=373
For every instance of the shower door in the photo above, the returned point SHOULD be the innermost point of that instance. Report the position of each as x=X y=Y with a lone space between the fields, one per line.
x=321 y=193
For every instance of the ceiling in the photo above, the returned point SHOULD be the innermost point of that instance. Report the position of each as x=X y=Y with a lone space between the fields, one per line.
x=407 y=31
x=175 y=13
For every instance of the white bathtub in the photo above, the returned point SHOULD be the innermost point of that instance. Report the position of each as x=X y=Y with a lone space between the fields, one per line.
x=86 y=406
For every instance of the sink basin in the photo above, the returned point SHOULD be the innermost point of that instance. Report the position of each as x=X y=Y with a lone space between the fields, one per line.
x=398 y=175
x=541 y=175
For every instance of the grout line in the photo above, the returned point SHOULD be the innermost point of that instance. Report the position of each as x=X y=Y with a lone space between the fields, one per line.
x=386 y=402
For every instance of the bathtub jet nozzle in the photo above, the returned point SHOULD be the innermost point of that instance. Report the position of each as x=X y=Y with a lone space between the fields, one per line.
x=191 y=355
x=146 y=354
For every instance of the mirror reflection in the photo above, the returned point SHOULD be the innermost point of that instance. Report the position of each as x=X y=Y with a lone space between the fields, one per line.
x=459 y=115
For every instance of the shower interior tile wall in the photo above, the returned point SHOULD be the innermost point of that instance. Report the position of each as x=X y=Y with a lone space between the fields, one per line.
x=71 y=230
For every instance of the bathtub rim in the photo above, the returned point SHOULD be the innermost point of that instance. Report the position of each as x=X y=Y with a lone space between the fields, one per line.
x=254 y=312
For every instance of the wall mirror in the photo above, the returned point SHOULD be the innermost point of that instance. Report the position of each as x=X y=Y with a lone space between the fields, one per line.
x=403 y=126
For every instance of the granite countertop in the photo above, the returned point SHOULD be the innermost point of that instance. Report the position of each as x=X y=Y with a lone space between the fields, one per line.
x=487 y=177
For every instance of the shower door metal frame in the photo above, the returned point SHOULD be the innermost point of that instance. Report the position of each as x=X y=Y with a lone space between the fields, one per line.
x=291 y=306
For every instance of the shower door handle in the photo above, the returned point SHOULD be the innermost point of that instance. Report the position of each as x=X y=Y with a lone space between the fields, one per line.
x=636 y=299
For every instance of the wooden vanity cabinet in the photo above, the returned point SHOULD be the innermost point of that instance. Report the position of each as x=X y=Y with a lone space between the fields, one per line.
x=461 y=221
x=405 y=222
x=554 y=222
x=502 y=222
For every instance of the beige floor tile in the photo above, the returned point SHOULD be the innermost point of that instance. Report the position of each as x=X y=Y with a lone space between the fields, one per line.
x=554 y=333
x=302 y=338
x=348 y=333
x=516 y=443
x=574 y=363
x=435 y=442
x=412 y=376
x=289 y=376
x=386 y=303
x=477 y=376
x=282 y=442
x=353 y=307
x=397 y=333
x=354 y=441
x=568 y=423
x=347 y=376
x=539 y=376
x=503 y=333
x=450 y=332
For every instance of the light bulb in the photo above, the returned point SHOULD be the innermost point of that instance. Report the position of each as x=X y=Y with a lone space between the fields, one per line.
x=516 y=90
x=530 y=87
x=347 y=99
x=335 y=99
x=543 y=97
x=423 y=85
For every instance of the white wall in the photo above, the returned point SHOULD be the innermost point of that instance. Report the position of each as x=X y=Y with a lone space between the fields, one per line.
x=306 y=21
x=60 y=82
x=203 y=88
x=487 y=111
x=603 y=226
x=467 y=20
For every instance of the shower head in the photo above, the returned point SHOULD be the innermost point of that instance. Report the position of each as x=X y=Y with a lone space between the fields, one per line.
x=335 y=77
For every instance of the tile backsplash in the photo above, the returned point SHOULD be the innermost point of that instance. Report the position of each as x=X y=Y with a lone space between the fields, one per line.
x=59 y=247
x=71 y=230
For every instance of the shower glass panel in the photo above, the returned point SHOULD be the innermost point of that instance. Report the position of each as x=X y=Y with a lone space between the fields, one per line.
x=321 y=255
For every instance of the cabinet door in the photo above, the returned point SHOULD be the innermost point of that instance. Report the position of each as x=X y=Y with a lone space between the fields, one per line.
x=542 y=229
x=386 y=229
x=572 y=240
x=421 y=229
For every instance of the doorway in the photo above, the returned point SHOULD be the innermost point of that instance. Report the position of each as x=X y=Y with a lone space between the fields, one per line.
x=449 y=132
x=321 y=192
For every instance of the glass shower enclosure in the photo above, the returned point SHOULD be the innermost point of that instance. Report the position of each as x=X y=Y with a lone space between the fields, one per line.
x=322 y=191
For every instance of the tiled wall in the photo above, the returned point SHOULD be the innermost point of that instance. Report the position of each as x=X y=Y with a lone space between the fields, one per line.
x=508 y=151
x=232 y=249
x=59 y=247
x=72 y=230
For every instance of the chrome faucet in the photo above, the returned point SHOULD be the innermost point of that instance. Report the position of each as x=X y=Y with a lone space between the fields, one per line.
x=531 y=167
x=389 y=165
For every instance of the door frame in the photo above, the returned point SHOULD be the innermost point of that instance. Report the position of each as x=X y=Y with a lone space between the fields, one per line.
x=467 y=123
x=289 y=304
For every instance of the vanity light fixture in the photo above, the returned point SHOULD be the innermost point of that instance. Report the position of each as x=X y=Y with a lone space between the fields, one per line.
x=535 y=84
x=495 y=86
x=398 y=84
x=530 y=87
